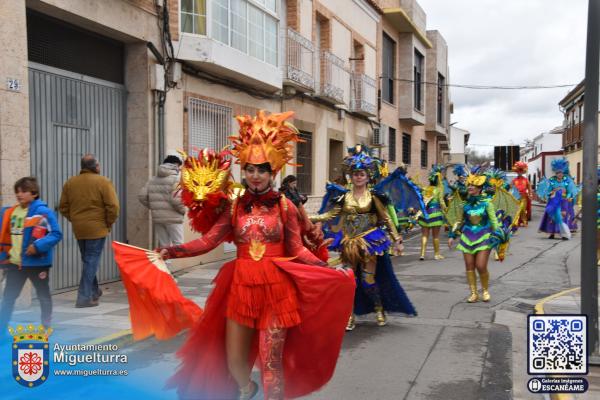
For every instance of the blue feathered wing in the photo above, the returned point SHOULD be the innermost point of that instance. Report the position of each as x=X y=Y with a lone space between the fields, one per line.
x=543 y=189
x=403 y=194
x=333 y=195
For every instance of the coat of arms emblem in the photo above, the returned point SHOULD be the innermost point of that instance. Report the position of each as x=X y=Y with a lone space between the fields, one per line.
x=30 y=354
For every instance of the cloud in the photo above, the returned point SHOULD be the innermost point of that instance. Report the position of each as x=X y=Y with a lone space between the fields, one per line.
x=507 y=43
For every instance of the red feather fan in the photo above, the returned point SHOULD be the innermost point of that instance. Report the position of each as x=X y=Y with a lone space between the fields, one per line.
x=156 y=305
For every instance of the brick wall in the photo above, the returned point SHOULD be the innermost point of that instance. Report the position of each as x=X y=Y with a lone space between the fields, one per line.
x=293 y=15
x=173 y=6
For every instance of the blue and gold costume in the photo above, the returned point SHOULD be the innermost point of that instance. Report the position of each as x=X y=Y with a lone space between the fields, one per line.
x=559 y=215
x=363 y=231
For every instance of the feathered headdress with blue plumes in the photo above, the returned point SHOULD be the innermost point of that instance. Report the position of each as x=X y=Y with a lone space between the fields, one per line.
x=560 y=165
x=361 y=158
x=495 y=177
x=459 y=170
x=495 y=173
x=477 y=169
x=435 y=170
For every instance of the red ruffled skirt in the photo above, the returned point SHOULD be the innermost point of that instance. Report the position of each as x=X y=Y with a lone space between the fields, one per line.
x=313 y=302
x=262 y=295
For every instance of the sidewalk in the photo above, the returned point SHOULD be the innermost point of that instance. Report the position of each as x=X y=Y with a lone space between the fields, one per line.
x=109 y=322
x=569 y=302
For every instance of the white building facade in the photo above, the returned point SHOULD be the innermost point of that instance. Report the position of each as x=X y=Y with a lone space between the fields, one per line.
x=544 y=148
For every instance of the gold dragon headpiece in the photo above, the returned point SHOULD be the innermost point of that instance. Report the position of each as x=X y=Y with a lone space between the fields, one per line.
x=265 y=139
x=204 y=175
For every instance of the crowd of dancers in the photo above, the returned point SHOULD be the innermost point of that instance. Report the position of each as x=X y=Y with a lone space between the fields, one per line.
x=283 y=300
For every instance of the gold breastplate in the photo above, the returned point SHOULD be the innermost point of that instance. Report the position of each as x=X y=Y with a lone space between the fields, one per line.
x=361 y=205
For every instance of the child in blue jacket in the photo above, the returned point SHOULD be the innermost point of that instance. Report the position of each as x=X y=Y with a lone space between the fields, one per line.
x=28 y=233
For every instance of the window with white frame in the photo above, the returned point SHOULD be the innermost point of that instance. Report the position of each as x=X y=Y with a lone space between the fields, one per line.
x=209 y=124
x=250 y=26
x=193 y=16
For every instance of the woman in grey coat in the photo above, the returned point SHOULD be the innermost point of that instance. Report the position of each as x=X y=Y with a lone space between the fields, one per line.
x=161 y=197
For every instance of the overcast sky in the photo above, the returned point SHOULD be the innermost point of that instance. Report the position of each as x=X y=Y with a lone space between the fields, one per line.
x=510 y=42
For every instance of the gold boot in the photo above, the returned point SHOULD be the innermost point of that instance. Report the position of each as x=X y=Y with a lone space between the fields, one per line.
x=380 y=316
x=472 y=279
x=351 y=323
x=423 y=247
x=485 y=279
x=436 y=250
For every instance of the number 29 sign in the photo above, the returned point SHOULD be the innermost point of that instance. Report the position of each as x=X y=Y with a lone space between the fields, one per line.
x=13 y=85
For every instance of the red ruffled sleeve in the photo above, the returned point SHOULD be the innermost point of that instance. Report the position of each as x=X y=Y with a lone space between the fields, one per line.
x=293 y=240
x=215 y=236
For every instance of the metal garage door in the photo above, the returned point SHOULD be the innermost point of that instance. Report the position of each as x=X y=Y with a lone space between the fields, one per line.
x=71 y=115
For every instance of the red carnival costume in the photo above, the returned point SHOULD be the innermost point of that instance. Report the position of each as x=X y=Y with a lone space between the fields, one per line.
x=522 y=185
x=275 y=285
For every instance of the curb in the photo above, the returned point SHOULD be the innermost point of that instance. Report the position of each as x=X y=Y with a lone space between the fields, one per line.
x=122 y=339
x=539 y=307
x=539 y=310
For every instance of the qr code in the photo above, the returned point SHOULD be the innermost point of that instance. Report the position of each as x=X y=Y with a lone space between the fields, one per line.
x=557 y=344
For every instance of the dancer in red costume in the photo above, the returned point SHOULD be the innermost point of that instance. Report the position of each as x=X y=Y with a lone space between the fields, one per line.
x=523 y=187
x=275 y=300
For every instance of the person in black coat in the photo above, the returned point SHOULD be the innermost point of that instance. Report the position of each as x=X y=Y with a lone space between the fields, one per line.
x=289 y=187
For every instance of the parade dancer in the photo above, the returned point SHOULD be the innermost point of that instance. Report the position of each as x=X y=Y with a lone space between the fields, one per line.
x=522 y=191
x=559 y=191
x=433 y=196
x=360 y=222
x=459 y=185
x=474 y=221
x=275 y=298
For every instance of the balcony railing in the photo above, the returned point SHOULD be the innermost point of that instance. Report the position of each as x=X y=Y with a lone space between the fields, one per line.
x=335 y=79
x=300 y=60
x=363 y=94
x=572 y=135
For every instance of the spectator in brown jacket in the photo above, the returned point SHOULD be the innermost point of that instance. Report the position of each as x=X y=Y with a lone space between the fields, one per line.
x=90 y=203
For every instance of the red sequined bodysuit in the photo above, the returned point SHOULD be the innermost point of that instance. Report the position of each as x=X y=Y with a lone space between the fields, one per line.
x=269 y=287
x=524 y=187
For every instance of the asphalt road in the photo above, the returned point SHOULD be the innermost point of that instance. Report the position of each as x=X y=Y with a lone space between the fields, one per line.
x=452 y=350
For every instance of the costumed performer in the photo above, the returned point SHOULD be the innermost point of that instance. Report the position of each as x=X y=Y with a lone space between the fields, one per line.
x=273 y=300
x=433 y=220
x=559 y=191
x=475 y=223
x=522 y=191
x=360 y=221
x=459 y=185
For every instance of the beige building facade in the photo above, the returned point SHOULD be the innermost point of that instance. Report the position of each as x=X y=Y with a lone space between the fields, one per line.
x=147 y=77
x=415 y=104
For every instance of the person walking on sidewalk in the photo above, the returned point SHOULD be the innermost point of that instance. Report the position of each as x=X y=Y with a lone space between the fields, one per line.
x=28 y=233
x=90 y=203
x=160 y=196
